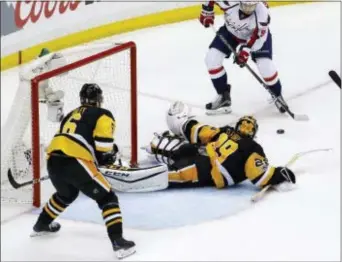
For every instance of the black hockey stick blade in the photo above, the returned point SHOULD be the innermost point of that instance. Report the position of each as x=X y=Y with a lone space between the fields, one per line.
x=335 y=77
x=11 y=180
x=17 y=185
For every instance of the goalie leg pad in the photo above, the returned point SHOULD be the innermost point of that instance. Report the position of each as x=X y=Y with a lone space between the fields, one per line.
x=145 y=179
x=163 y=146
x=167 y=148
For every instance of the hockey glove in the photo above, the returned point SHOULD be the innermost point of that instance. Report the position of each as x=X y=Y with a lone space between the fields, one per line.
x=282 y=174
x=243 y=53
x=110 y=157
x=207 y=16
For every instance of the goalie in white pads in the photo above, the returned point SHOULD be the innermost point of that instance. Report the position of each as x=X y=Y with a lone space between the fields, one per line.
x=246 y=29
x=229 y=155
x=52 y=98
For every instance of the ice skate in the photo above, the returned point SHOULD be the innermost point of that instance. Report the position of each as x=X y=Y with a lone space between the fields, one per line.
x=123 y=248
x=41 y=229
x=221 y=104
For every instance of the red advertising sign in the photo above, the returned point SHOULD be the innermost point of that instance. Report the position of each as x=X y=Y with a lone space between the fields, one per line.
x=39 y=9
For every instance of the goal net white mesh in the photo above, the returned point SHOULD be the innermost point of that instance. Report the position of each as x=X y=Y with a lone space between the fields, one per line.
x=112 y=73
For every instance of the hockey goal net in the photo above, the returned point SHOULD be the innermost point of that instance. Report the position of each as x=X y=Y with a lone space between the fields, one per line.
x=28 y=131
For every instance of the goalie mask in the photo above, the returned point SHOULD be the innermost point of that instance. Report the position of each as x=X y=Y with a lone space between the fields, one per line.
x=247 y=126
x=91 y=94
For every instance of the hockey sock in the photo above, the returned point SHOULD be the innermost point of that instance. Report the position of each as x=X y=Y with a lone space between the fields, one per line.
x=219 y=79
x=52 y=209
x=276 y=88
x=112 y=217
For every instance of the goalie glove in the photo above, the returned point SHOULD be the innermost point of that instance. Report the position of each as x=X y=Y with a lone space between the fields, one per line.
x=283 y=179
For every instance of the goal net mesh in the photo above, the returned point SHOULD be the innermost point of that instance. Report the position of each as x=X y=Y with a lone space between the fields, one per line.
x=112 y=73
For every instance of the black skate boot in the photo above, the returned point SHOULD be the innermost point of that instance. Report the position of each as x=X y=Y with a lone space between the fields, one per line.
x=279 y=102
x=221 y=104
x=41 y=229
x=123 y=248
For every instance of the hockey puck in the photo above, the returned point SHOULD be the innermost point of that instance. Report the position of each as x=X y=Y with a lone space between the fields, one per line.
x=280 y=131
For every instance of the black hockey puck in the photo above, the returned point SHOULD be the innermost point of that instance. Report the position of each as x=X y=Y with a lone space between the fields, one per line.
x=280 y=131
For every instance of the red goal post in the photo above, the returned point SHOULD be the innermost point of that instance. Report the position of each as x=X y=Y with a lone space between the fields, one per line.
x=101 y=68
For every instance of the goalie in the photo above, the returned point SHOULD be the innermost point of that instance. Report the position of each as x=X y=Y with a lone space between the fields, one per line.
x=230 y=155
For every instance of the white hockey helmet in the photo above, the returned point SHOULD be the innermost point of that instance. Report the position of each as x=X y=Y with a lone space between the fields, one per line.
x=248 y=7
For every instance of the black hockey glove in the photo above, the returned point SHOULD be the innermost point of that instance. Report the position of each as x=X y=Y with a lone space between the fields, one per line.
x=282 y=174
x=110 y=157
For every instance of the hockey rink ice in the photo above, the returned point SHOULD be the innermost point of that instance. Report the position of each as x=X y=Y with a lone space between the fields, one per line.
x=210 y=224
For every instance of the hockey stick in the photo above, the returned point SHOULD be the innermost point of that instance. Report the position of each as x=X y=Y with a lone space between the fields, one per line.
x=287 y=109
x=335 y=77
x=17 y=185
x=256 y=197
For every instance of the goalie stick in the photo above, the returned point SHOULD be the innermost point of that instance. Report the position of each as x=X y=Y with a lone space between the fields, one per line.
x=258 y=196
x=296 y=117
x=335 y=77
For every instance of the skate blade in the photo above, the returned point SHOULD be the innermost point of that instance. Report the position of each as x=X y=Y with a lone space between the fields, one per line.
x=220 y=111
x=122 y=253
x=43 y=233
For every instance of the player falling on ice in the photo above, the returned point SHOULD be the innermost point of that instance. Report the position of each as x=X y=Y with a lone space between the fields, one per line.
x=246 y=29
x=84 y=141
x=200 y=155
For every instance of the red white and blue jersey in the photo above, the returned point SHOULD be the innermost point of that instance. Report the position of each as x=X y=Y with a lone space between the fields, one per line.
x=251 y=29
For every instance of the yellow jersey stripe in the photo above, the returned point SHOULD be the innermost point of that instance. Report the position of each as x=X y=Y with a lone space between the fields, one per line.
x=70 y=147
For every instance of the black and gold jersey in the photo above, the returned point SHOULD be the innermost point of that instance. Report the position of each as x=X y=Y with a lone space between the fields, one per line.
x=84 y=133
x=233 y=158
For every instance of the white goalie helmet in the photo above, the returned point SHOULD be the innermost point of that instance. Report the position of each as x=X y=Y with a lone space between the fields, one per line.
x=176 y=116
x=248 y=7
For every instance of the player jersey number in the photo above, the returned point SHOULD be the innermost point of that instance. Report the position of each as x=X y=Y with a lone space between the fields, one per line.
x=226 y=147
x=71 y=124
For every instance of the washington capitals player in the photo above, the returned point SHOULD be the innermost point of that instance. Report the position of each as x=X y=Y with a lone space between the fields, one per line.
x=246 y=29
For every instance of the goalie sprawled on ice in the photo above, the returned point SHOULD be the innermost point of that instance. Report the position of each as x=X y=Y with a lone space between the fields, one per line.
x=200 y=155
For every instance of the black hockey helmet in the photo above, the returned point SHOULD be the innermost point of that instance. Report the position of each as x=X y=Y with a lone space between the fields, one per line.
x=247 y=126
x=91 y=94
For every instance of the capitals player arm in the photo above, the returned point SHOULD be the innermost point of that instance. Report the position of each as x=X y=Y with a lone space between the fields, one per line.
x=263 y=20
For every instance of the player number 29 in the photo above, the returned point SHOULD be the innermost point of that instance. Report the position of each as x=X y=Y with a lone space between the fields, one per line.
x=227 y=148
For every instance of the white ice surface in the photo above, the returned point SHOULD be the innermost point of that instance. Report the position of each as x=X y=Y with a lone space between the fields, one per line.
x=300 y=225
